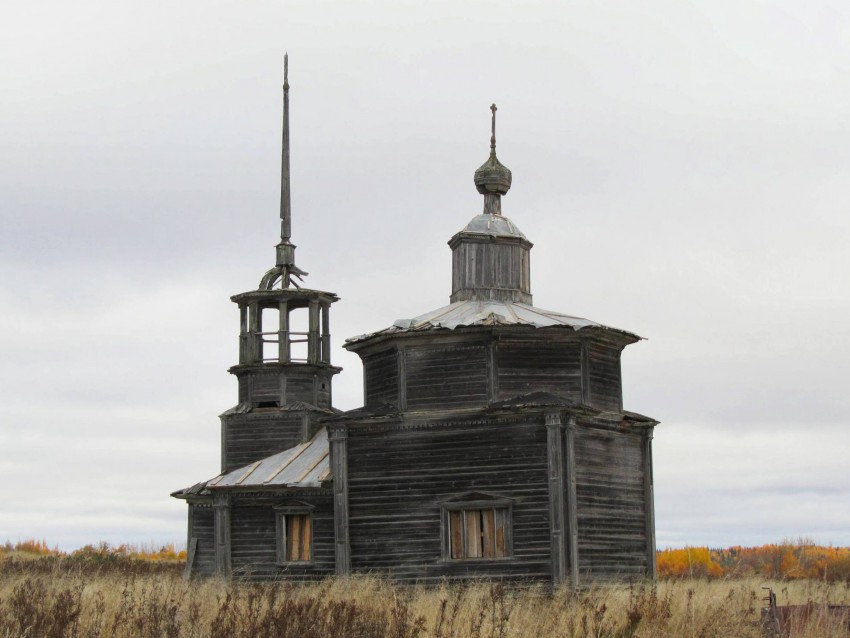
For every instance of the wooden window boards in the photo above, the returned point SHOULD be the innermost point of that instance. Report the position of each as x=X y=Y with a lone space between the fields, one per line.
x=479 y=533
x=294 y=536
x=298 y=537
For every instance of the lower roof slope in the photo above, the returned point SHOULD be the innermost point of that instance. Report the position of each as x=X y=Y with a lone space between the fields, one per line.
x=305 y=465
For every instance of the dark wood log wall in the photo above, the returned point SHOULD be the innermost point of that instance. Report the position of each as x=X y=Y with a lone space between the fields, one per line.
x=380 y=378
x=202 y=530
x=253 y=540
x=539 y=366
x=397 y=479
x=446 y=377
x=455 y=374
x=250 y=437
x=285 y=387
x=603 y=372
x=610 y=502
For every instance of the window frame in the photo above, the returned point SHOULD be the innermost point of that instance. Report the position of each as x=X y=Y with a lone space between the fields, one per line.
x=282 y=513
x=475 y=501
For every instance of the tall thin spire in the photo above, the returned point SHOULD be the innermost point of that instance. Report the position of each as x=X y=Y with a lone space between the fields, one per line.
x=285 y=267
x=285 y=203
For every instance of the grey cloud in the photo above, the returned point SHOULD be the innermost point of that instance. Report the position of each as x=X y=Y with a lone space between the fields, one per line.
x=681 y=168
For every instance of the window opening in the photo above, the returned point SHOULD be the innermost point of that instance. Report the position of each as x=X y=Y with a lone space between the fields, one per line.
x=295 y=537
x=270 y=325
x=479 y=533
x=298 y=537
x=299 y=326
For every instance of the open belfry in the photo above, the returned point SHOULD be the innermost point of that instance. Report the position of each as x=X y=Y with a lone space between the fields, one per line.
x=492 y=442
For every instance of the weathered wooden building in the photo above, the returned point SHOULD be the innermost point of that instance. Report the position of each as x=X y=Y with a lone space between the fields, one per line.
x=492 y=441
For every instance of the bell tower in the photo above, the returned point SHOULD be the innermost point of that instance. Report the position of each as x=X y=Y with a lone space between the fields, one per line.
x=284 y=370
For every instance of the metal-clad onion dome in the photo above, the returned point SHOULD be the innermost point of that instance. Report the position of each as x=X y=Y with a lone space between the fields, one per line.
x=493 y=177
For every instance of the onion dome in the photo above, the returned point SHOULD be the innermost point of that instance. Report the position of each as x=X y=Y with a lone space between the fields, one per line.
x=493 y=177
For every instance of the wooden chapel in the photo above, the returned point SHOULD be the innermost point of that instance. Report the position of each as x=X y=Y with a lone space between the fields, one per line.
x=492 y=442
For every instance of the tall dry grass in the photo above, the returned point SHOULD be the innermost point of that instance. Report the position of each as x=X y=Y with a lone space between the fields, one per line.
x=67 y=599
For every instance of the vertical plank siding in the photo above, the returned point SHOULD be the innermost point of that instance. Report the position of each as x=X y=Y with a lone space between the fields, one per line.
x=254 y=540
x=449 y=376
x=398 y=478
x=610 y=501
x=498 y=269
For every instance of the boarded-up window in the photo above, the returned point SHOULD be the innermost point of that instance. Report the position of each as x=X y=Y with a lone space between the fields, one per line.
x=298 y=537
x=294 y=533
x=478 y=533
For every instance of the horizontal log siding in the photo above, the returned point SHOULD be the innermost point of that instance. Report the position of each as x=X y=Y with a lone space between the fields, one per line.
x=380 y=376
x=202 y=529
x=264 y=387
x=398 y=478
x=606 y=390
x=610 y=503
x=255 y=388
x=323 y=393
x=251 y=437
x=446 y=377
x=253 y=541
x=299 y=388
x=526 y=367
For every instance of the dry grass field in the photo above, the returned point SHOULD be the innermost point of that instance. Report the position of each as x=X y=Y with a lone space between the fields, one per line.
x=56 y=597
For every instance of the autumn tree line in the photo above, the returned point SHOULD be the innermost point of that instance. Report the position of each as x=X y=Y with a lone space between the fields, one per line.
x=101 y=551
x=783 y=561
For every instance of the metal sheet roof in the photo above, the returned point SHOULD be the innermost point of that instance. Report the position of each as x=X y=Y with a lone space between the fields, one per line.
x=305 y=465
x=487 y=313
x=496 y=225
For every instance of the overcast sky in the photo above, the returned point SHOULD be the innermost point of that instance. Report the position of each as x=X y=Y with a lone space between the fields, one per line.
x=682 y=167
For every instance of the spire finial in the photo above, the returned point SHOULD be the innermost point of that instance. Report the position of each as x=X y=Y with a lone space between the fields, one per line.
x=493 y=109
x=285 y=267
x=285 y=204
x=492 y=179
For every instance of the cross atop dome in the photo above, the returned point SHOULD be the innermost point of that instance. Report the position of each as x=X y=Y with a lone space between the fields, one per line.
x=493 y=179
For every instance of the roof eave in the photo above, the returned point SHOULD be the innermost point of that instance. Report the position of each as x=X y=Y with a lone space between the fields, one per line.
x=354 y=344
